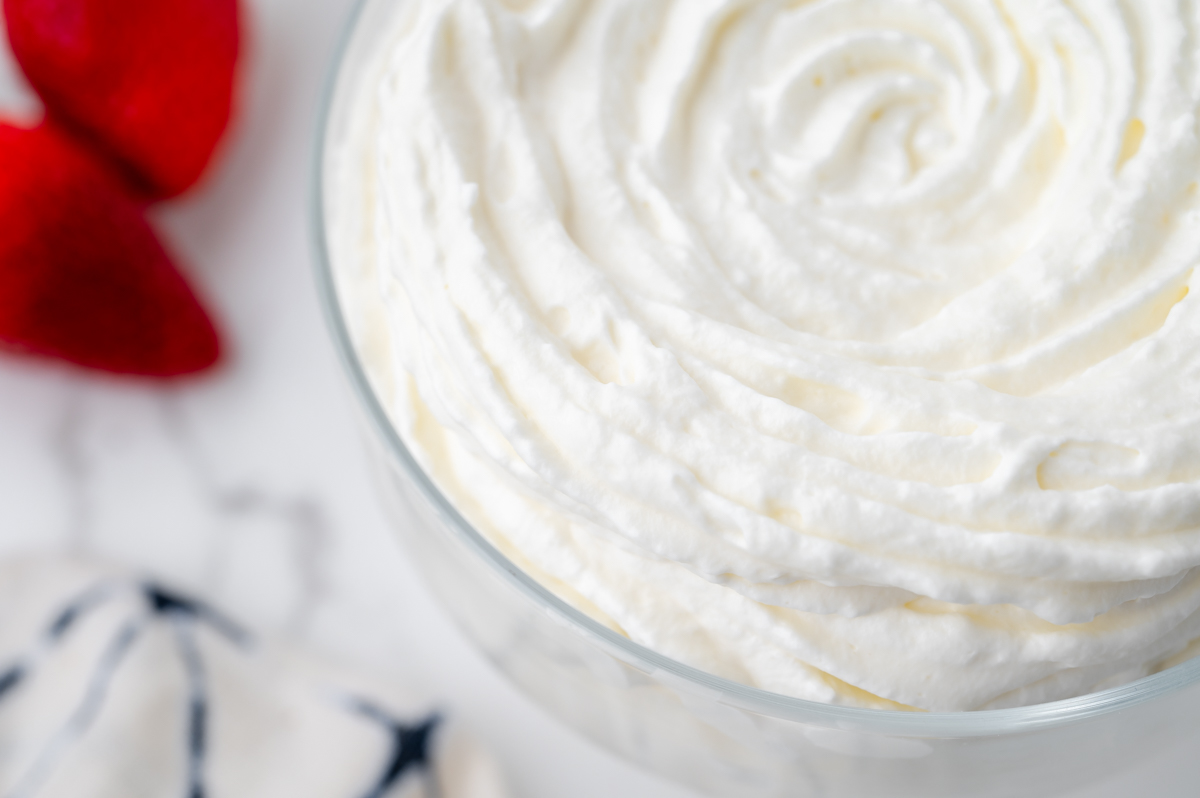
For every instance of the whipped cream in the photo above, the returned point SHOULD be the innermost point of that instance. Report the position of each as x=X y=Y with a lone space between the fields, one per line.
x=843 y=348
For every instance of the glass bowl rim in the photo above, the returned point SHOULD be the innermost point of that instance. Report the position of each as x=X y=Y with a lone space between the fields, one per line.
x=981 y=723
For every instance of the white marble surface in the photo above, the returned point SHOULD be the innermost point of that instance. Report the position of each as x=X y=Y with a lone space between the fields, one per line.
x=249 y=487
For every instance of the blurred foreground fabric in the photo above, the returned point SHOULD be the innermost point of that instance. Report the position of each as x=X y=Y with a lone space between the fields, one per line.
x=115 y=685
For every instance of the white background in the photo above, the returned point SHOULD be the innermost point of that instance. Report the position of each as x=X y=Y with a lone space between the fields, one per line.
x=249 y=486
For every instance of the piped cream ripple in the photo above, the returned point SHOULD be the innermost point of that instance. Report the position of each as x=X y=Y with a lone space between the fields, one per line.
x=848 y=348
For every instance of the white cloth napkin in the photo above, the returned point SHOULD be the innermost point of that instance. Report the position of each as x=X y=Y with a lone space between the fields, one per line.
x=113 y=686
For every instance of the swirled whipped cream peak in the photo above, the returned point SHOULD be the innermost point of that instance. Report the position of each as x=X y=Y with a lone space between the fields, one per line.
x=843 y=348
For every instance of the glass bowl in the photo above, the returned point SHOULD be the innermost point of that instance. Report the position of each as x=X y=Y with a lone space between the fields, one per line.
x=716 y=735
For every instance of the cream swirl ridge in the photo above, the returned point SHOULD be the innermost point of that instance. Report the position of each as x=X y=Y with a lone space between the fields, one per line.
x=841 y=347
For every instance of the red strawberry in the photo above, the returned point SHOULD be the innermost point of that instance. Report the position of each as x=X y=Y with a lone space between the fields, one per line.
x=82 y=275
x=150 y=82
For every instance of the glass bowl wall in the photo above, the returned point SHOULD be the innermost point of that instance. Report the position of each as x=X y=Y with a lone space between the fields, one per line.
x=718 y=736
